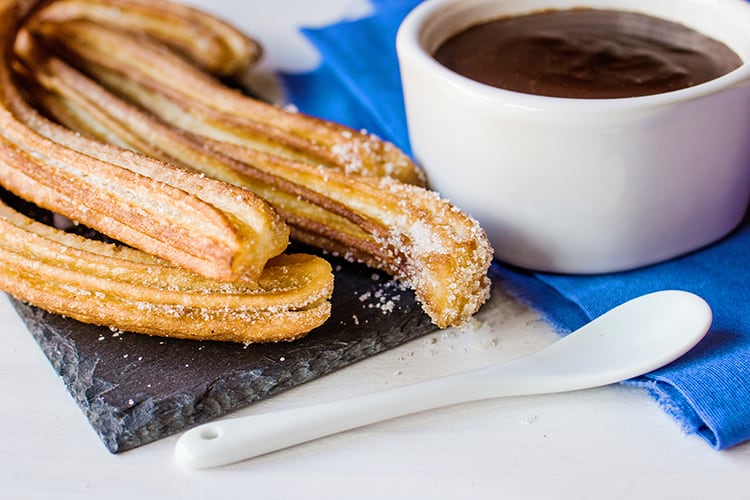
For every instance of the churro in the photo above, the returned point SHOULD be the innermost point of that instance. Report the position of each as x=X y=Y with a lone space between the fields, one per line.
x=206 y=41
x=164 y=82
x=126 y=289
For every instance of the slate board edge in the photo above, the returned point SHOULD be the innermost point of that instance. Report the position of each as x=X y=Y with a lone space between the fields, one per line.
x=107 y=421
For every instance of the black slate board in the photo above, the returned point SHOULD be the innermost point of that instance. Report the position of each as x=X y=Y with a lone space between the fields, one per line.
x=135 y=389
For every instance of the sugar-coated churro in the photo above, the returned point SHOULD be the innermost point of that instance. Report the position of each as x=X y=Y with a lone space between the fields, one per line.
x=205 y=40
x=221 y=112
x=126 y=289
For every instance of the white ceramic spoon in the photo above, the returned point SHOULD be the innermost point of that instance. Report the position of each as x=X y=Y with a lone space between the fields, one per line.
x=632 y=339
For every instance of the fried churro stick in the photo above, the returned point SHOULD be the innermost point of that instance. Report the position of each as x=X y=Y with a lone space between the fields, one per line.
x=123 y=288
x=220 y=112
x=83 y=105
x=204 y=40
x=211 y=227
x=404 y=229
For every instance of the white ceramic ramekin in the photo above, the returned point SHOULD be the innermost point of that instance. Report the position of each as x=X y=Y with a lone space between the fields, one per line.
x=580 y=185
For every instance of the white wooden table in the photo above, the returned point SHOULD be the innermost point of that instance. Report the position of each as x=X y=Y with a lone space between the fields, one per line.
x=612 y=442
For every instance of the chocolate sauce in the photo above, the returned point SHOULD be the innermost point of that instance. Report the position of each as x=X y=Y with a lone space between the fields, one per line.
x=586 y=53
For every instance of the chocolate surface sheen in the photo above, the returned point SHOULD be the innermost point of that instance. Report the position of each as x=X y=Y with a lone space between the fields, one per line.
x=586 y=53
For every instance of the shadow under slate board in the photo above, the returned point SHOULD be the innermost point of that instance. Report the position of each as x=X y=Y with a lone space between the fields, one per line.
x=135 y=389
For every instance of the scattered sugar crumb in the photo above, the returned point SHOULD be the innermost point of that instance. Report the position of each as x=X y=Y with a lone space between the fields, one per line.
x=490 y=343
x=448 y=334
x=473 y=324
x=388 y=307
x=530 y=419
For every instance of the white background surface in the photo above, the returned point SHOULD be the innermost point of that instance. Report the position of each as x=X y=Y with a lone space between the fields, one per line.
x=609 y=443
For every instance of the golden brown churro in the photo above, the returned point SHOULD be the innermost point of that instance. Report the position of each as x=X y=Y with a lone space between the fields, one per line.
x=129 y=290
x=220 y=112
x=206 y=41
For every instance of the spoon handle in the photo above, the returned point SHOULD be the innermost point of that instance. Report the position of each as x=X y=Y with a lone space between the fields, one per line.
x=231 y=440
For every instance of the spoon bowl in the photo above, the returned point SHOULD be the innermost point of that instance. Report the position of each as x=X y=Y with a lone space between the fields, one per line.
x=630 y=340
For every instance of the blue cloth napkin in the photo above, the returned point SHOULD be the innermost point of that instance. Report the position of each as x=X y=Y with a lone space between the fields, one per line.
x=708 y=390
